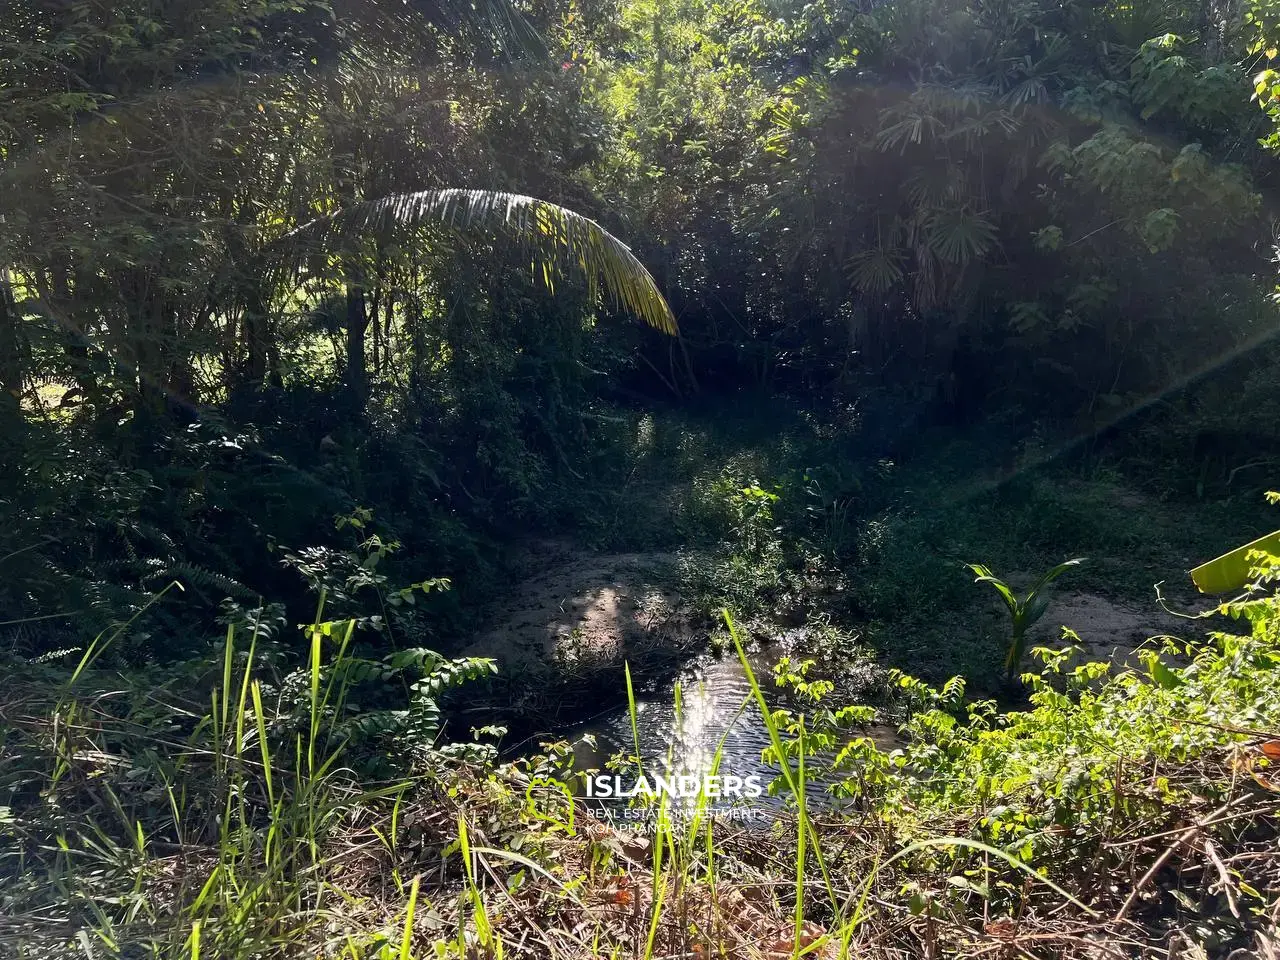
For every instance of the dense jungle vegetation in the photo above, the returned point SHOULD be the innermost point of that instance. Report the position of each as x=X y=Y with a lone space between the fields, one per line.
x=348 y=313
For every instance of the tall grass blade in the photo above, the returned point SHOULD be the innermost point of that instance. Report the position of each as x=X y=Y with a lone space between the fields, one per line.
x=406 y=940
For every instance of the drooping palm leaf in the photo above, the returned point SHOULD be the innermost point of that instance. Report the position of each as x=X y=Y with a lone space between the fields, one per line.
x=555 y=238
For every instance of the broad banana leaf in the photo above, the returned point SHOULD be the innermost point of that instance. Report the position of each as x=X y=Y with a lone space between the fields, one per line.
x=1230 y=572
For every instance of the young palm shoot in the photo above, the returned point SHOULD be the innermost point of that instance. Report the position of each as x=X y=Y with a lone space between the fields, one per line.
x=1025 y=610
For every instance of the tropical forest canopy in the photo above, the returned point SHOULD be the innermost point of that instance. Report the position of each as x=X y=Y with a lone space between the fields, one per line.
x=388 y=388
x=269 y=262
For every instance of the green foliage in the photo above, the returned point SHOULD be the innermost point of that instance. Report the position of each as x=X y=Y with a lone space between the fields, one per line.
x=1025 y=610
x=249 y=771
x=1062 y=751
x=747 y=567
x=880 y=203
x=986 y=814
x=1102 y=752
x=903 y=215
x=388 y=738
x=242 y=293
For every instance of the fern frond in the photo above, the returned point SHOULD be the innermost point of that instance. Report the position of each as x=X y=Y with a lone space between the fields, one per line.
x=201 y=578
x=360 y=670
x=454 y=673
x=376 y=723
x=421 y=659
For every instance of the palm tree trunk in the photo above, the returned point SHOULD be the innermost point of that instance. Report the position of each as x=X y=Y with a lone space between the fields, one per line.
x=257 y=337
x=11 y=366
x=249 y=373
x=357 y=373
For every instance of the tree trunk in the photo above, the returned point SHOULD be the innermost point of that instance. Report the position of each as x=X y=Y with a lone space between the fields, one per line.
x=357 y=374
x=11 y=366
x=11 y=380
x=257 y=337
x=417 y=351
x=250 y=373
x=73 y=334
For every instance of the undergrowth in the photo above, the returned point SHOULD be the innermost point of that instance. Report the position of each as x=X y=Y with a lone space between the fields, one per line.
x=806 y=527
x=234 y=813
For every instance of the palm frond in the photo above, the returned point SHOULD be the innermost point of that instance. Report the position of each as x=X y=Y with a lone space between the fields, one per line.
x=498 y=20
x=876 y=270
x=913 y=127
x=555 y=238
x=497 y=24
x=959 y=236
x=937 y=186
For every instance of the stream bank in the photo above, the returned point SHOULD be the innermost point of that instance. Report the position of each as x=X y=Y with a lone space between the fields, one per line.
x=574 y=622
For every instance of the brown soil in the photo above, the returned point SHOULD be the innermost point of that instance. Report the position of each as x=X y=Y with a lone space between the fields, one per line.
x=1107 y=629
x=576 y=609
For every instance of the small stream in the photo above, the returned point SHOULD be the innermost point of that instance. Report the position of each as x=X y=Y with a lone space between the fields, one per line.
x=712 y=692
x=607 y=601
x=715 y=702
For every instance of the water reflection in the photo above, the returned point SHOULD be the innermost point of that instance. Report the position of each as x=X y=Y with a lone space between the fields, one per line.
x=681 y=724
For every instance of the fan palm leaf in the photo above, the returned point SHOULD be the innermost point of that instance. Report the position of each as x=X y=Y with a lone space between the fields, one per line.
x=959 y=236
x=555 y=237
x=876 y=270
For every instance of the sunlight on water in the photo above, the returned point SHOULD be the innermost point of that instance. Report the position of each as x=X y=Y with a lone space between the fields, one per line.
x=715 y=703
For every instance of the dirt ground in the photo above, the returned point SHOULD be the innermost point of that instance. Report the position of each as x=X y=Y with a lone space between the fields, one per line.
x=1109 y=629
x=573 y=617
x=575 y=608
